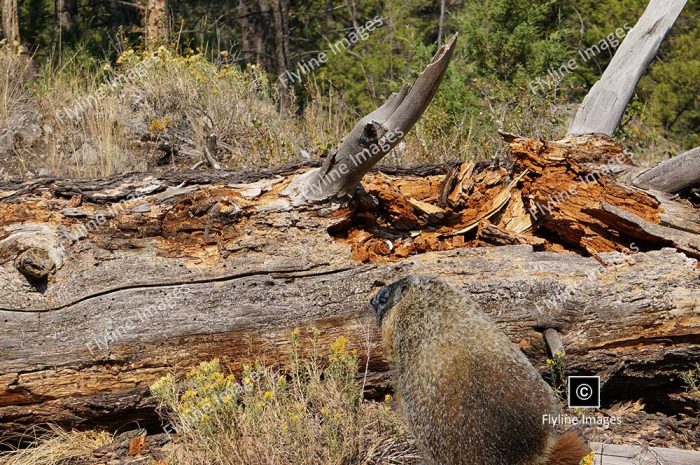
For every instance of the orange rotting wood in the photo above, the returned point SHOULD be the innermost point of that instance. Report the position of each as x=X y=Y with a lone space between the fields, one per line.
x=546 y=200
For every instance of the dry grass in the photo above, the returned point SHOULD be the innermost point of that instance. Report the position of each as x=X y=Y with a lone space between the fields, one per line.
x=16 y=103
x=165 y=105
x=151 y=111
x=56 y=447
x=312 y=414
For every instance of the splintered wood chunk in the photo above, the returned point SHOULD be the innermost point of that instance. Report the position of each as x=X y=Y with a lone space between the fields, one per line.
x=491 y=234
x=136 y=446
x=75 y=201
x=460 y=185
x=516 y=218
x=427 y=208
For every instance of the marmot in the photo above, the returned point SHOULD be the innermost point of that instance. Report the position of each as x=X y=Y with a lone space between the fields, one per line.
x=470 y=397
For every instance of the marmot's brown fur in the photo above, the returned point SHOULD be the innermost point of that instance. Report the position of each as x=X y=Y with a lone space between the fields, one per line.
x=470 y=397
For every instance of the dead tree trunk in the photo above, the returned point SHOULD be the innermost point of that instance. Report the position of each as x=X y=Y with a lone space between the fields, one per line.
x=279 y=10
x=674 y=175
x=603 y=107
x=107 y=285
x=156 y=24
x=62 y=15
x=10 y=23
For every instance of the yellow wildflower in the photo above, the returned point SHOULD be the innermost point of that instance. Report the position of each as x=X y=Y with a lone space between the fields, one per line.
x=338 y=347
x=589 y=459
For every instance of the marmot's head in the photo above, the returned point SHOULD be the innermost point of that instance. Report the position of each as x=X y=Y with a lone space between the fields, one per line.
x=390 y=295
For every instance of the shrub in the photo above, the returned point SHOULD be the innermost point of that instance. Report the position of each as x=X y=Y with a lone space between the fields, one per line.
x=313 y=413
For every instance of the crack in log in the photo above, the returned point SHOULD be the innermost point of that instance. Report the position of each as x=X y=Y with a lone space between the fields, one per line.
x=671 y=339
x=217 y=279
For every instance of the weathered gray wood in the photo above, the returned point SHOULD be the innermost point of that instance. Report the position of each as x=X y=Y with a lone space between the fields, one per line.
x=639 y=228
x=86 y=350
x=201 y=265
x=373 y=136
x=678 y=215
x=554 y=342
x=615 y=454
x=603 y=107
x=210 y=151
x=672 y=175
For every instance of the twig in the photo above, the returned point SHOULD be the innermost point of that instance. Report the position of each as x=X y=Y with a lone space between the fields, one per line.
x=210 y=150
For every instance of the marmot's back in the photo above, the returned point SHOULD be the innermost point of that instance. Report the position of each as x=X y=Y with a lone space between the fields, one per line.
x=470 y=397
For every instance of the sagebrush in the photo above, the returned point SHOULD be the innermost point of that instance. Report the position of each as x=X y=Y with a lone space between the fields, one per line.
x=313 y=412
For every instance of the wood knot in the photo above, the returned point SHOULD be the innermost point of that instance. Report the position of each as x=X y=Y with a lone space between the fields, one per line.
x=35 y=264
x=371 y=133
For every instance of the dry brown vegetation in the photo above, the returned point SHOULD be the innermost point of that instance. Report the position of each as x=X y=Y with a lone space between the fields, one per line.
x=55 y=446
x=153 y=111
x=313 y=413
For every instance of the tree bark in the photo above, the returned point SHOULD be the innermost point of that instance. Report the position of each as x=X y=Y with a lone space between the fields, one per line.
x=203 y=265
x=279 y=10
x=10 y=23
x=156 y=23
x=603 y=107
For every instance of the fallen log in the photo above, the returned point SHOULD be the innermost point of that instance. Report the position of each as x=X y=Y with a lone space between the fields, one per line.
x=613 y=454
x=673 y=175
x=156 y=273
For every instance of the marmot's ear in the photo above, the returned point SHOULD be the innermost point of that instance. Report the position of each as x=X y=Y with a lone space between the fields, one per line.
x=388 y=297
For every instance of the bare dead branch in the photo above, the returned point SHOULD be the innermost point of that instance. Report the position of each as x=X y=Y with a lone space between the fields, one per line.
x=603 y=107
x=210 y=150
x=372 y=137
